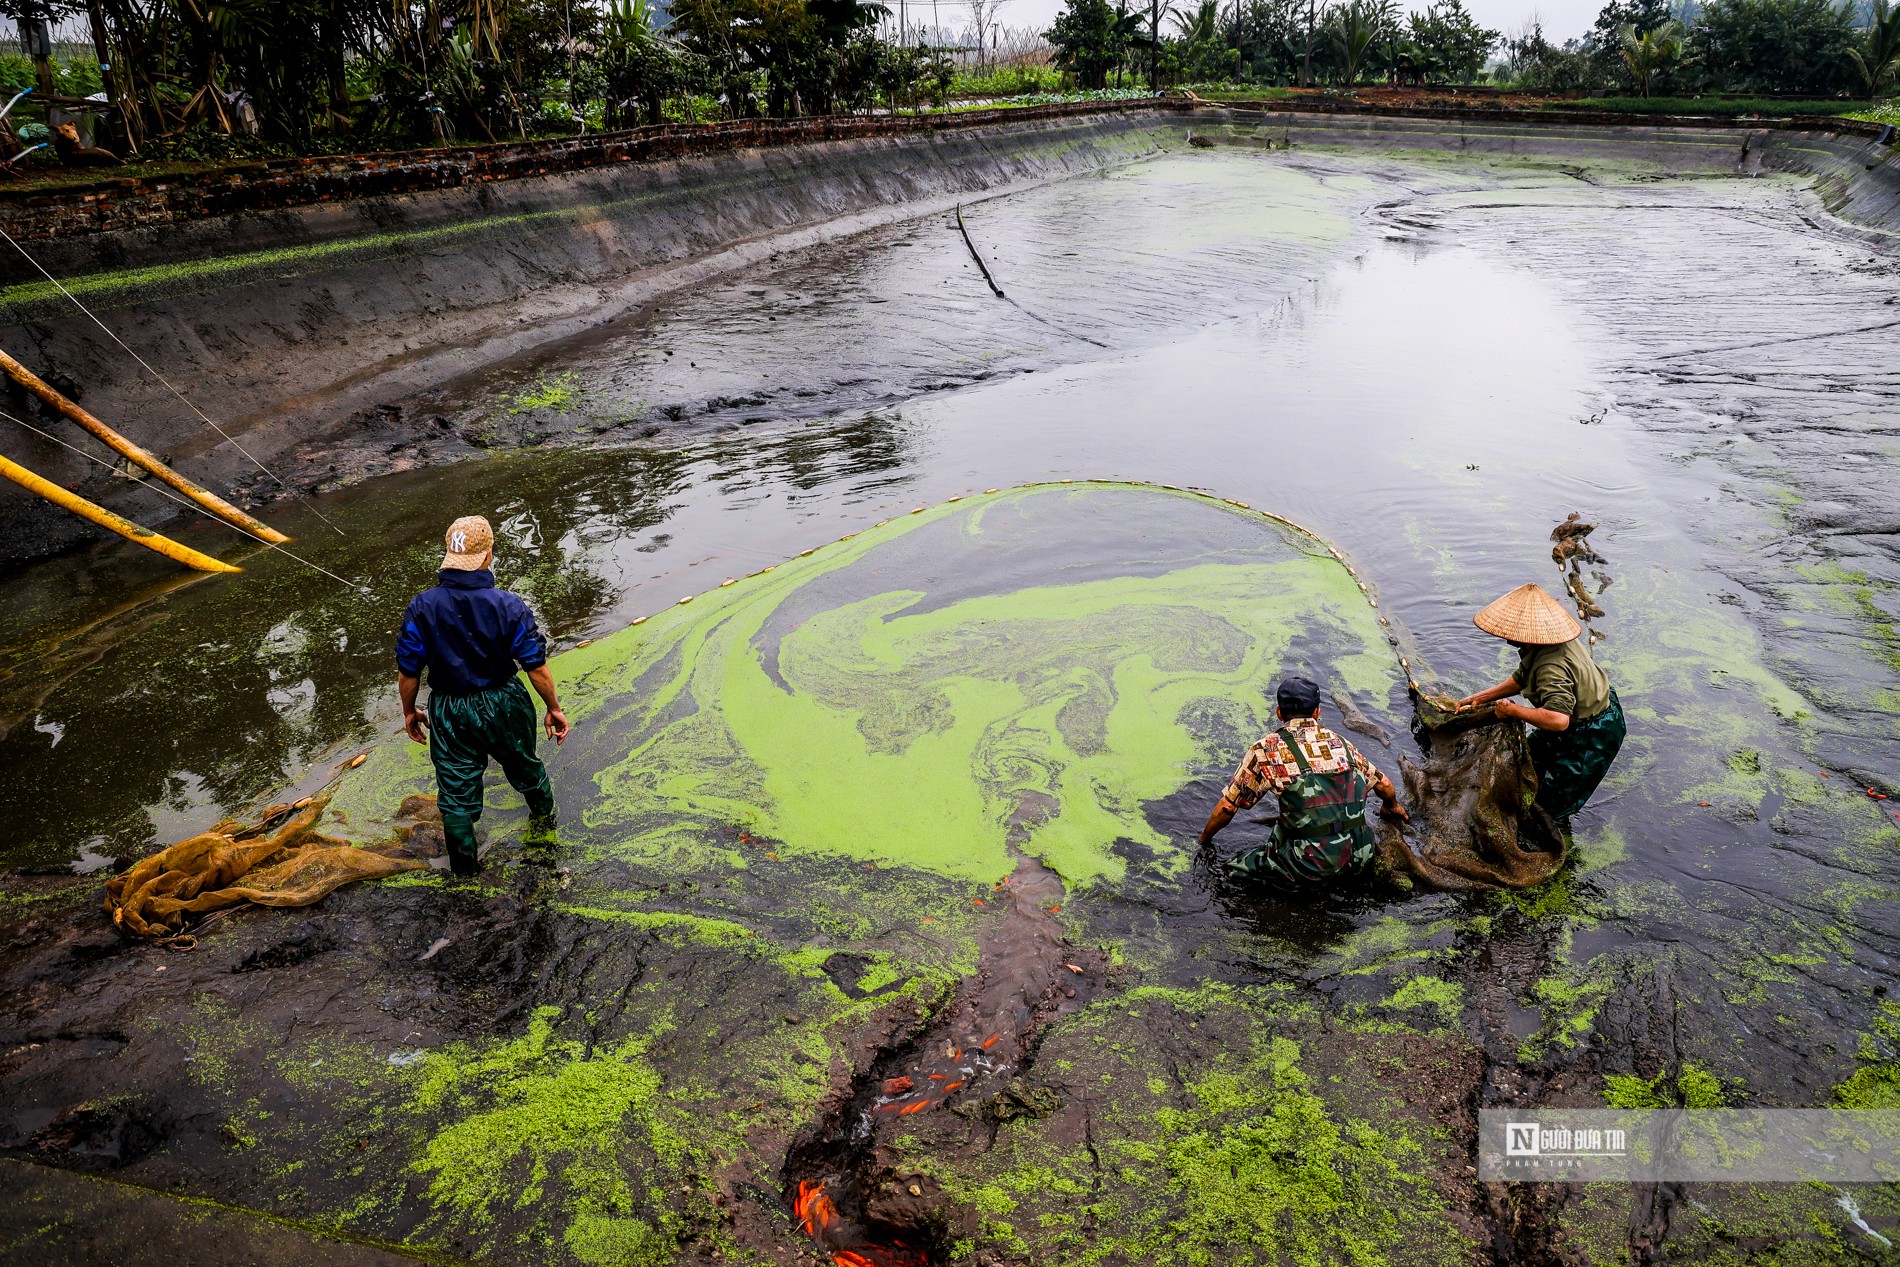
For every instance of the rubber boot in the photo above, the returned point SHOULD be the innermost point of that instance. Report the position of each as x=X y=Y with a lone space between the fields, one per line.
x=541 y=817
x=459 y=831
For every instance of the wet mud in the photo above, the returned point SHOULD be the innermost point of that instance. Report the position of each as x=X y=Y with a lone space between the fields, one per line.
x=850 y=1182
x=655 y=1042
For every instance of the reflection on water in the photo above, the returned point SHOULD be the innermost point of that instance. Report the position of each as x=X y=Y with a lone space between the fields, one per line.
x=1429 y=375
x=151 y=716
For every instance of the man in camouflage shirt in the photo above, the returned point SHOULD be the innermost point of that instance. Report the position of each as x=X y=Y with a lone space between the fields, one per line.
x=1322 y=783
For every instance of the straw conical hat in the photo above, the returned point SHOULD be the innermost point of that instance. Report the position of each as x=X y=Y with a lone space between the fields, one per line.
x=1528 y=614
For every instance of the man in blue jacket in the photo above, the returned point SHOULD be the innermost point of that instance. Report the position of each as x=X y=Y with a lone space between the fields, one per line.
x=469 y=636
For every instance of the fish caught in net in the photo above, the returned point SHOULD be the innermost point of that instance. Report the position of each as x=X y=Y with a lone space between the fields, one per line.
x=1477 y=824
x=281 y=860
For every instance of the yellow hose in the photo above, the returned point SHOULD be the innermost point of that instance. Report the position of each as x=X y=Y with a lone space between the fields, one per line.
x=135 y=454
x=106 y=519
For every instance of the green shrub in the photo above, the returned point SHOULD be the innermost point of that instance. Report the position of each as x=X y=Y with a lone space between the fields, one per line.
x=1771 y=106
x=74 y=77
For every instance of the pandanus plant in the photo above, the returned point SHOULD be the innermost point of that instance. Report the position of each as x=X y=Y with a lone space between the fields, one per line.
x=1650 y=53
x=1356 y=27
x=1878 y=60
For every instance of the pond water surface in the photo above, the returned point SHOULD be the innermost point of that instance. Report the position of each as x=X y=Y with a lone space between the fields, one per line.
x=1430 y=363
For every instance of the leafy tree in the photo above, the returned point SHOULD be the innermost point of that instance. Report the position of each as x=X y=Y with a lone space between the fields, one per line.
x=1451 y=41
x=1091 y=39
x=641 y=68
x=1202 y=53
x=1776 y=46
x=1268 y=35
x=1532 y=61
x=1644 y=15
x=1410 y=64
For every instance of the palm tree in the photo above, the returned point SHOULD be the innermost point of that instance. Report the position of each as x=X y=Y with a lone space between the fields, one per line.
x=1649 y=54
x=1354 y=29
x=1879 y=62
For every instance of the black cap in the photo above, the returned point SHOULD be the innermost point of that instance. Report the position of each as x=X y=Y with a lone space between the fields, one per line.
x=1298 y=697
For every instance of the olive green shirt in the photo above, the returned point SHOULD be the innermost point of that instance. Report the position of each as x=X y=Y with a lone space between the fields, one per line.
x=1563 y=679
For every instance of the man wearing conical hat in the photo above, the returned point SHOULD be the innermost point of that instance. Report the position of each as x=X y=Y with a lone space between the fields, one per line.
x=1577 y=718
x=470 y=637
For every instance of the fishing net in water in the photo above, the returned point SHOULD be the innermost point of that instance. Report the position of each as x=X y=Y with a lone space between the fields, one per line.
x=1478 y=825
x=1063 y=671
x=282 y=860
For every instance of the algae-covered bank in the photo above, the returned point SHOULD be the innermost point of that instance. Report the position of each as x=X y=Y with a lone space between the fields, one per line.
x=876 y=930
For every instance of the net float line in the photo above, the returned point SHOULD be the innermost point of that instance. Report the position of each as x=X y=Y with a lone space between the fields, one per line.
x=1338 y=556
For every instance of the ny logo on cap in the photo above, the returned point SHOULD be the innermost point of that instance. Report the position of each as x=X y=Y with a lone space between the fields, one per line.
x=458 y=542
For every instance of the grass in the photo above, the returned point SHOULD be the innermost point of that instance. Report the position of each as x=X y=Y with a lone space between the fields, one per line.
x=1006 y=81
x=1886 y=112
x=1772 y=106
x=1241 y=92
x=1056 y=98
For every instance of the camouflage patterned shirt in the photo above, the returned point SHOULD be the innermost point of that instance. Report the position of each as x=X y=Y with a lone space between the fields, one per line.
x=1269 y=765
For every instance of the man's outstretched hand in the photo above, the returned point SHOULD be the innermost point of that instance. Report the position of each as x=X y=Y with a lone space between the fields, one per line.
x=1392 y=809
x=416 y=725
x=556 y=724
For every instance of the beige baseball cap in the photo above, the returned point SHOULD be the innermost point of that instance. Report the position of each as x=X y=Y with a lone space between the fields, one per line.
x=468 y=541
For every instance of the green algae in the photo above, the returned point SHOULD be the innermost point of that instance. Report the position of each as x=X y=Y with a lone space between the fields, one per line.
x=698 y=928
x=559 y=392
x=540 y=1108
x=837 y=706
x=1694 y=1087
x=18 y=904
x=1569 y=1000
x=1446 y=997
x=217 y=1040
x=1855 y=594
x=1252 y=1156
x=1389 y=942
x=1789 y=1225
x=279 y=262
x=1876 y=1084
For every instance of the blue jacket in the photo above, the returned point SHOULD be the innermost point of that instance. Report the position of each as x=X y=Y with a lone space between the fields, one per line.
x=468 y=634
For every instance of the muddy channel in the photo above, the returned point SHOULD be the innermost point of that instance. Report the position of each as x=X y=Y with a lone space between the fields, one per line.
x=712 y=1028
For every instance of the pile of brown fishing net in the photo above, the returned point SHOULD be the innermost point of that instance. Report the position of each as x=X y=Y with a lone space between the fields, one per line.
x=281 y=860
x=1476 y=822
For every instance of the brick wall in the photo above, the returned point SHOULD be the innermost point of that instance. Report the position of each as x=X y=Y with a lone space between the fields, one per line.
x=132 y=202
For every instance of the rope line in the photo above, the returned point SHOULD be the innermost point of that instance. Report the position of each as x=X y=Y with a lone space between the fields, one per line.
x=998 y=290
x=166 y=381
x=978 y=258
x=186 y=502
